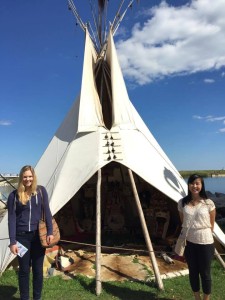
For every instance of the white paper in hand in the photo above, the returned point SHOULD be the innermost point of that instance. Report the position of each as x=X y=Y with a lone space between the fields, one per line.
x=21 y=249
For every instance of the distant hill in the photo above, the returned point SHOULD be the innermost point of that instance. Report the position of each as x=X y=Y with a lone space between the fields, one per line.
x=204 y=173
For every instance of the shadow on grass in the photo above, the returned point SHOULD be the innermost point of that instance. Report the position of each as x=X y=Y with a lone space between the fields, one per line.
x=123 y=292
x=7 y=292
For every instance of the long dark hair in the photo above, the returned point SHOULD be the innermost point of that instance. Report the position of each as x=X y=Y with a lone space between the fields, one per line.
x=202 y=193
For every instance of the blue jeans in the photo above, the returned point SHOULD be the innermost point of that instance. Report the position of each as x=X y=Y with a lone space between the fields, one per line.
x=34 y=258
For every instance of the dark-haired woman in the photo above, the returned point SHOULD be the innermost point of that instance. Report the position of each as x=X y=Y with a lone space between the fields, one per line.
x=199 y=250
x=24 y=213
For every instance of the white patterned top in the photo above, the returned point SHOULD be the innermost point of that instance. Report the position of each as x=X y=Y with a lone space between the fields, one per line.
x=200 y=231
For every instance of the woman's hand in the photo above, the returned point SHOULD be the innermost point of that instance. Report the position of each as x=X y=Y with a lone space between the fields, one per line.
x=49 y=239
x=14 y=249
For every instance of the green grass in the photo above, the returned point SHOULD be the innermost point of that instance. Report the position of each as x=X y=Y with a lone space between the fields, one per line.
x=82 y=288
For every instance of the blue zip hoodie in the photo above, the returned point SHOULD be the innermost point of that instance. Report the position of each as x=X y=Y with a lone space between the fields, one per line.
x=26 y=217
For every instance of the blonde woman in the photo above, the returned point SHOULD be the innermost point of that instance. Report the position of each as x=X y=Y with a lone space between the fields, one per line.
x=24 y=213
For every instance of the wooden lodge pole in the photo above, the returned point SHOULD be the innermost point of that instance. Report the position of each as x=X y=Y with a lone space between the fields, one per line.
x=98 y=236
x=219 y=258
x=146 y=234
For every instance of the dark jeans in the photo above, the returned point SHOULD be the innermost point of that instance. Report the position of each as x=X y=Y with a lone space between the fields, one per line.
x=199 y=258
x=34 y=258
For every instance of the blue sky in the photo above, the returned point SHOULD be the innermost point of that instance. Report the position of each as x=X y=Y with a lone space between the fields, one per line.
x=172 y=55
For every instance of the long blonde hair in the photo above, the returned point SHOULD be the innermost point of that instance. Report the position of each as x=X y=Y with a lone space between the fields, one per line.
x=21 y=188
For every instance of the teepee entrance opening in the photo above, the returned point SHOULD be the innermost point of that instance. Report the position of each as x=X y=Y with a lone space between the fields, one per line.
x=120 y=222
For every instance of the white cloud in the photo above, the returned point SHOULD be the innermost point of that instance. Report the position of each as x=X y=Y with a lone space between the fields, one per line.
x=215 y=119
x=197 y=117
x=175 y=40
x=5 y=123
x=202 y=118
x=210 y=118
x=207 y=80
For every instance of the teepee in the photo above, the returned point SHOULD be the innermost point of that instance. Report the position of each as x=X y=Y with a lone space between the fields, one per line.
x=103 y=128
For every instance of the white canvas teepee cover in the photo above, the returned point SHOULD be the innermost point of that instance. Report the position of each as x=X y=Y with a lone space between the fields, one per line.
x=77 y=150
x=5 y=255
x=79 y=146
